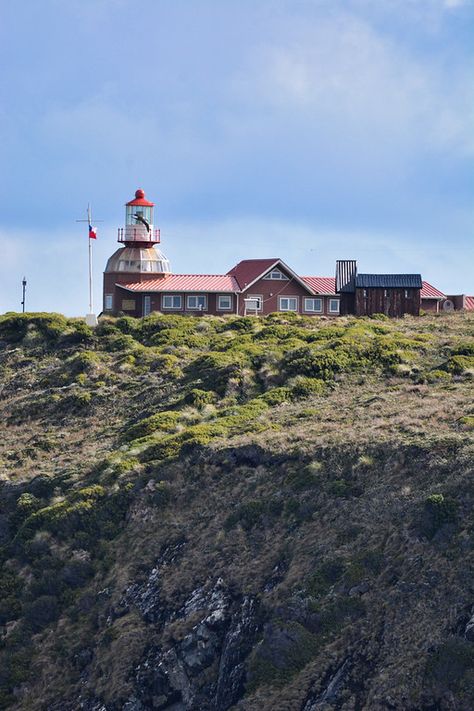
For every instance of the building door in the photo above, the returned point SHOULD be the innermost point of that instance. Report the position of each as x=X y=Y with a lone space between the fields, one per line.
x=146 y=305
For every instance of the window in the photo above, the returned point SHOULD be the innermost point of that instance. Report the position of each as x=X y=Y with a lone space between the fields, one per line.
x=109 y=302
x=365 y=293
x=385 y=293
x=313 y=305
x=333 y=306
x=224 y=302
x=146 y=305
x=276 y=274
x=288 y=303
x=258 y=298
x=406 y=293
x=196 y=303
x=168 y=301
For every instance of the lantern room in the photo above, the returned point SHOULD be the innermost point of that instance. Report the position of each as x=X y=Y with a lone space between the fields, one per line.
x=139 y=222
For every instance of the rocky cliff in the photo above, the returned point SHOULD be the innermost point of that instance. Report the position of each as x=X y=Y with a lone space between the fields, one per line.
x=236 y=513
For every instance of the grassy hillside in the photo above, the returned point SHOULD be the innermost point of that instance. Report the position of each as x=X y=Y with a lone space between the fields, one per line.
x=243 y=513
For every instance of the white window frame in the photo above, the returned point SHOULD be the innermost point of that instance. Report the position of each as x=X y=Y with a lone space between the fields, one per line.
x=108 y=302
x=337 y=309
x=256 y=297
x=197 y=307
x=313 y=310
x=276 y=275
x=146 y=305
x=164 y=297
x=224 y=308
x=287 y=298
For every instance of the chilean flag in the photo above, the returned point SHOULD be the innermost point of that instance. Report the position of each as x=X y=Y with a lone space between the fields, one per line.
x=92 y=232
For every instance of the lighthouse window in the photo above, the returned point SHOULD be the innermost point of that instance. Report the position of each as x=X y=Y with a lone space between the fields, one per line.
x=196 y=303
x=170 y=301
x=288 y=303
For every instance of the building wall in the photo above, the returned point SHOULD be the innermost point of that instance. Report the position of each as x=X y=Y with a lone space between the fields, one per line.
x=391 y=302
x=458 y=301
x=431 y=305
x=271 y=290
x=131 y=303
x=347 y=305
x=113 y=278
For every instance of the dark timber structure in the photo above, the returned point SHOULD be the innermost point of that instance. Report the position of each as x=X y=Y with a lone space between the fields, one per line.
x=367 y=294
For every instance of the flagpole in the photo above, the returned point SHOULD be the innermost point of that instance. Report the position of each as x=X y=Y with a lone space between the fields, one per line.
x=91 y=297
x=91 y=318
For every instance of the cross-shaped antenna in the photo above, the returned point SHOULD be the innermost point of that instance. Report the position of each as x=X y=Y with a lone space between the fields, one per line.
x=89 y=221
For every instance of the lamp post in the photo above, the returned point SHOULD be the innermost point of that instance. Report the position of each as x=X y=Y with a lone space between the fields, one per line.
x=23 y=284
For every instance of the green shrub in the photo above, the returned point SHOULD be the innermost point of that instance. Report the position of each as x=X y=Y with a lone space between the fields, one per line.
x=26 y=505
x=302 y=479
x=118 y=342
x=438 y=510
x=343 y=610
x=285 y=649
x=41 y=612
x=302 y=386
x=467 y=422
x=89 y=511
x=320 y=364
x=160 y=422
x=215 y=370
x=276 y=396
x=465 y=348
x=459 y=364
x=83 y=362
x=327 y=575
x=10 y=587
x=450 y=662
x=199 y=398
x=14 y=326
x=344 y=488
x=438 y=376
x=253 y=513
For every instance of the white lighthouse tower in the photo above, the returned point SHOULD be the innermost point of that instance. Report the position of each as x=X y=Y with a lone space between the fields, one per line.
x=138 y=259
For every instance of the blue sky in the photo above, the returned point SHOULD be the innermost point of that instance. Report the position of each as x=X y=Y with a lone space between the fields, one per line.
x=306 y=129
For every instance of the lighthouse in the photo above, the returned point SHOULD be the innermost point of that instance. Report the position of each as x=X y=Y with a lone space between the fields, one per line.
x=137 y=259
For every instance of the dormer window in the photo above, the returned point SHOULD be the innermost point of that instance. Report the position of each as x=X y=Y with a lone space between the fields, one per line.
x=276 y=275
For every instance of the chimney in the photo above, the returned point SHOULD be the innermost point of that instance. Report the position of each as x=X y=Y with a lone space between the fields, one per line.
x=346 y=272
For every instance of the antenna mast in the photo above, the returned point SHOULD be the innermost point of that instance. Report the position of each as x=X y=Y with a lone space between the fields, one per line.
x=23 y=285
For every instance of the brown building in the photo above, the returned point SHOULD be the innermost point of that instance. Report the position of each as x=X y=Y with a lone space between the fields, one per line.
x=367 y=294
x=138 y=280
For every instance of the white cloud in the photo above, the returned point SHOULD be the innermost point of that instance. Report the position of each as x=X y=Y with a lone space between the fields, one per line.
x=454 y=3
x=341 y=72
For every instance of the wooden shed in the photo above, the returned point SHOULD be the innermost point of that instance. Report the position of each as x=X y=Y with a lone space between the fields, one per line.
x=367 y=294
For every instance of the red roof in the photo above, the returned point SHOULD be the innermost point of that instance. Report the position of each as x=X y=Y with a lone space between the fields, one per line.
x=187 y=282
x=321 y=285
x=469 y=303
x=249 y=270
x=431 y=292
x=140 y=199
